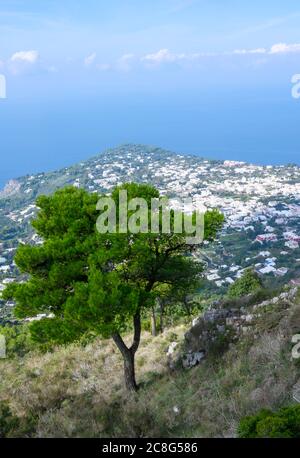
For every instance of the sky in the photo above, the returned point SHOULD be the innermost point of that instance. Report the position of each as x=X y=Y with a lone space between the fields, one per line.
x=208 y=77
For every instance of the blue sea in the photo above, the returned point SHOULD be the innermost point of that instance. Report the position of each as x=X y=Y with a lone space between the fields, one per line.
x=46 y=133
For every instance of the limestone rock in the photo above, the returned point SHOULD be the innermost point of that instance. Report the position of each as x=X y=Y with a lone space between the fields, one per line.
x=192 y=359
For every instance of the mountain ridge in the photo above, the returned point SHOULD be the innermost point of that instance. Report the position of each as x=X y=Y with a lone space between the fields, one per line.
x=147 y=149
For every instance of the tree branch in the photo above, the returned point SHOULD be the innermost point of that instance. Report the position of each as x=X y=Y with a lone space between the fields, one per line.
x=120 y=344
x=137 y=332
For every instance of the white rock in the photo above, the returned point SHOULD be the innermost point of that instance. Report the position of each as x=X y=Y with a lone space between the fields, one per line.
x=171 y=348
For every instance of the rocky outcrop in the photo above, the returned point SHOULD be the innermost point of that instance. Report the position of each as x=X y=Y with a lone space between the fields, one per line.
x=12 y=187
x=287 y=296
x=192 y=359
x=204 y=334
x=296 y=391
x=217 y=328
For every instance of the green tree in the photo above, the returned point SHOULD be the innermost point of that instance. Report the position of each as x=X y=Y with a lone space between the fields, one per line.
x=17 y=339
x=248 y=283
x=284 y=423
x=88 y=282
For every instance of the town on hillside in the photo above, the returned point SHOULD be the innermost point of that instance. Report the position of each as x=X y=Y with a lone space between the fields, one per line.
x=261 y=205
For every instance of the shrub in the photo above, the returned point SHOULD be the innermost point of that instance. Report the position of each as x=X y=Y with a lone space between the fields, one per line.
x=284 y=423
x=8 y=422
x=18 y=341
x=248 y=283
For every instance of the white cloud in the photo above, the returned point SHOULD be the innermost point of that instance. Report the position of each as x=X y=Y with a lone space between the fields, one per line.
x=89 y=60
x=250 y=51
x=124 y=63
x=126 y=57
x=30 y=57
x=279 y=48
x=23 y=62
x=163 y=55
x=283 y=48
x=166 y=56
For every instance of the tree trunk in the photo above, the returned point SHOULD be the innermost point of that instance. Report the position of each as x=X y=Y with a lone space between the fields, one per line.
x=129 y=372
x=187 y=305
x=129 y=353
x=153 y=322
x=161 y=313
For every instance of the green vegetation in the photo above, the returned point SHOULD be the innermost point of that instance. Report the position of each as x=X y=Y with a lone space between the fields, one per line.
x=75 y=391
x=89 y=282
x=249 y=283
x=8 y=423
x=103 y=293
x=18 y=340
x=234 y=246
x=267 y=424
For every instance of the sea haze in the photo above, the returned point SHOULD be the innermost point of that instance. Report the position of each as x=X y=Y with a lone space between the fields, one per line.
x=253 y=125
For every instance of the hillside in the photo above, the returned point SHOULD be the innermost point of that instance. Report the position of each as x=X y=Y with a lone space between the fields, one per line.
x=228 y=358
x=261 y=205
x=76 y=391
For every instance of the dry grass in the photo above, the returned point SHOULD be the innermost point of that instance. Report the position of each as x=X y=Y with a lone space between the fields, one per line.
x=78 y=392
x=70 y=386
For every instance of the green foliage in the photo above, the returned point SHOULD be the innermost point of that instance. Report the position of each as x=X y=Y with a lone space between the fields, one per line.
x=249 y=283
x=214 y=221
x=8 y=422
x=260 y=295
x=266 y=424
x=18 y=340
x=92 y=282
